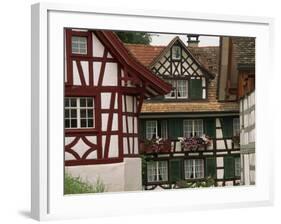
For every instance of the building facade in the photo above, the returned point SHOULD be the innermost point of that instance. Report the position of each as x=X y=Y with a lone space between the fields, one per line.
x=104 y=91
x=187 y=134
x=237 y=82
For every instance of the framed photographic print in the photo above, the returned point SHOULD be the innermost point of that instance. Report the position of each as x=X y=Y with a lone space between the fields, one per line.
x=161 y=117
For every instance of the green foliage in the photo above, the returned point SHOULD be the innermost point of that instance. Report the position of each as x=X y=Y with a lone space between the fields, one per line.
x=134 y=37
x=209 y=182
x=75 y=185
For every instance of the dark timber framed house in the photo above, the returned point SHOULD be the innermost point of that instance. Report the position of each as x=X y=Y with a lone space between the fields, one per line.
x=187 y=134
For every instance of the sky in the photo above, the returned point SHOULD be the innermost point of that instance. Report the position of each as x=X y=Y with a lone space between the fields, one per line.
x=164 y=39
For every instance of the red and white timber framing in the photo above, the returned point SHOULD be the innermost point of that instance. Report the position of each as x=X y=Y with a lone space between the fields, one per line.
x=118 y=85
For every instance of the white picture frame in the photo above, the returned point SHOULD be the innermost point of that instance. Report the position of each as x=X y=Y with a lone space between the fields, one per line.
x=48 y=201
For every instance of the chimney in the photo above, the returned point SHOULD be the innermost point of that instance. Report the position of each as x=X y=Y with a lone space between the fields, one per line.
x=193 y=40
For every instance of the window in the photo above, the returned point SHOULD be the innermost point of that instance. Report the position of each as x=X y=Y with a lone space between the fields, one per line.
x=237 y=166
x=157 y=171
x=151 y=129
x=179 y=91
x=236 y=127
x=79 y=45
x=194 y=168
x=193 y=128
x=176 y=53
x=79 y=112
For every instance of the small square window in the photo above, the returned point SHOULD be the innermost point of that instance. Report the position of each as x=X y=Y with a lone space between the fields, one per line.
x=79 y=45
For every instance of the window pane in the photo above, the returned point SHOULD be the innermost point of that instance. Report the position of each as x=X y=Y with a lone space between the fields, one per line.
x=187 y=128
x=90 y=123
x=176 y=52
x=74 y=123
x=82 y=102
x=188 y=169
x=198 y=128
x=237 y=167
x=66 y=113
x=83 y=113
x=73 y=113
x=79 y=45
x=182 y=88
x=90 y=102
x=90 y=113
x=83 y=123
x=66 y=123
x=151 y=129
x=151 y=172
x=66 y=102
x=172 y=94
x=162 y=170
x=73 y=102
x=199 y=168
x=236 y=127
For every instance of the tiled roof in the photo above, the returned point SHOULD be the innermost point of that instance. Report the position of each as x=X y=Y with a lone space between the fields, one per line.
x=190 y=107
x=244 y=50
x=144 y=53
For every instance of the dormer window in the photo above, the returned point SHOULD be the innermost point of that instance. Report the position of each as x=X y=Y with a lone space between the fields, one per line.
x=79 y=45
x=176 y=53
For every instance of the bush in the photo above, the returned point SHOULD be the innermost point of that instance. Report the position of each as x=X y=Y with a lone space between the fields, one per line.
x=209 y=182
x=75 y=185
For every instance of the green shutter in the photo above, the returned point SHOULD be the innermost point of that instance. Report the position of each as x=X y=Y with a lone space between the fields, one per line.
x=227 y=127
x=228 y=167
x=175 y=127
x=142 y=129
x=210 y=127
x=195 y=89
x=211 y=169
x=175 y=170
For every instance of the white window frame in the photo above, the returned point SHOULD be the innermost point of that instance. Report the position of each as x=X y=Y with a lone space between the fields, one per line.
x=78 y=109
x=191 y=167
x=80 y=42
x=175 y=84
x=157 y=169
x=192 y=123
x=148 y=126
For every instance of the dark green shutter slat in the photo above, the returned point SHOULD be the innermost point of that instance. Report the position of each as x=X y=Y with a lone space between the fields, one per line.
x=142 y=129
x=211 y=170
x=175 y=127
x=227 y=127
x=175 y=170
x=195 y=88
x=210 y=127
x=228 y=167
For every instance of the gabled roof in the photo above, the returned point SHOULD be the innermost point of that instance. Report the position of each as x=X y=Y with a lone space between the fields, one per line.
x=148 y=55
x=155 y=86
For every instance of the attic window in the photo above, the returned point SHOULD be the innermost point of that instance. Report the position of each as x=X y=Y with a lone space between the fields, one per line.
x=79 y=45
x=176 y=53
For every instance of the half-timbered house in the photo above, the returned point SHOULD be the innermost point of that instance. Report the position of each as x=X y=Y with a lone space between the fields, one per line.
x=104 y=91
x=187 y=134
x=237 y=82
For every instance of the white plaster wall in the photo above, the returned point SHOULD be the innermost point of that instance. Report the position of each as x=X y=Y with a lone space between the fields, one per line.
x=68 y=140
x=220 y=173
x=80 y=147
x=105 y=100
x=85 y=68
x=218 y=123
x=220 y=144
x=136 y=145
x=220 y=161
x=76 y=78
x=93 y=155
x=125 y=146
x=113 y=146
x=104 y=122
x=96 y=73
x=68 y=156
x=246 y=169
x=110 y=74
x=229 y=143
x=98 y=47
x=112 y=175
x=133 y=178
x=219 y=133
x=115 y=122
